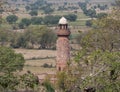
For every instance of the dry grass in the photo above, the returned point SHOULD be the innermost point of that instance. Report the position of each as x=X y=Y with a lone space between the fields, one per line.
x=35 y=66
x=40 y=62
x=29 y=54
x=37 y=70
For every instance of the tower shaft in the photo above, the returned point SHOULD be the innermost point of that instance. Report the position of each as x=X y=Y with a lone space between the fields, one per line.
x=63 y=53
x=62 y=46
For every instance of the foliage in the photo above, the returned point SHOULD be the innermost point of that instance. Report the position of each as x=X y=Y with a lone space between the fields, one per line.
x=47 y=84
x=29 y=81
x=18 y=41
x=8 y=82
x=89 y=12
x=61 y=80
x=51 y=19
x=27 y=8
x=97 y=64
x=36 y=20
x=71 y=17
x=105 y=36
x=33 y=13
x=12 y=19
x=47 y=9
x=99 y=57
x=102 y=70
x=25 y=22
x=48 y=40
x=5 y=35
x=9 y=61
x=45 y=65
x=21 y=25
x=68 y=81
x=101 y=15
x=102 y=7
x=34 y=35
x=89 y=23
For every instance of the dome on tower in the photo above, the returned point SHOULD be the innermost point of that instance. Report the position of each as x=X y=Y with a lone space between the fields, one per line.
x=63 y=20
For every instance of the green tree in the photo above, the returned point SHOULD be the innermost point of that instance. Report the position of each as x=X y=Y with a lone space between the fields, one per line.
x=71 y=17
x=18 y=40
x=48 y=85
x=12 y=19
x=27 y=8
x=51 y=19
x=5 y=35
x=36 y=20
x=48 y=40
x=8 y=82
x=101 y=15
x=47 y=9
x=29 y=81
x=89 y=23
x=24 y=22
x=33 y=13
x=10 y=61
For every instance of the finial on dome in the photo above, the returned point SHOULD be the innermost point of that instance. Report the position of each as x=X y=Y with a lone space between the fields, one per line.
x=63 y=20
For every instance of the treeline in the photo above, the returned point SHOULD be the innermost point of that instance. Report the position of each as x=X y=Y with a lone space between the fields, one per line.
x=40 y=5
x=47 y=20
x=40 y=37
x=92 y=12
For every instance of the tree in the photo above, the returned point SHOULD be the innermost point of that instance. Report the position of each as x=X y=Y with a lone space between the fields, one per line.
x=100 y=70
x=91 y=13
x=10 y=61
x=47 y=9
x=8 y=82
x=29 y=81
x=18 y=40
x=71 y=17
x=48 y=40
x=33 y=13
x=25 y=22
x=27 y=8
x=51 y=19
x=36 y=20
x=48 y=85
x=5 y=35
x=89 y=23
x=21 y=25
x=12 y=19
x=101 y=15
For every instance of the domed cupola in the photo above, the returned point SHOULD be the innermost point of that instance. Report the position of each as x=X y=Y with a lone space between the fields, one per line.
x=63 y=27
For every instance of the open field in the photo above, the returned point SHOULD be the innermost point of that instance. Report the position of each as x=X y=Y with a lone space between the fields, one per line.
x=35 y=59
x=32 y=54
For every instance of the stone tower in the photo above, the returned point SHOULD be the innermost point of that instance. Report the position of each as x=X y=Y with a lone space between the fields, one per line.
x=63 y=47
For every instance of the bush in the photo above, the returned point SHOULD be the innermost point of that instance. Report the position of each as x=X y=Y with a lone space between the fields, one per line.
x=12 y=18
x=89 y=23
x=34 y=13
x=45 y=65
x=36 y=20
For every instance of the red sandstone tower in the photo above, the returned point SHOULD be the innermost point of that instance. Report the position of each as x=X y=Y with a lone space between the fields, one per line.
x=63 y=47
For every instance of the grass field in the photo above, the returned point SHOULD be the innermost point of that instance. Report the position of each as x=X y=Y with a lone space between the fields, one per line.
x=35 y=59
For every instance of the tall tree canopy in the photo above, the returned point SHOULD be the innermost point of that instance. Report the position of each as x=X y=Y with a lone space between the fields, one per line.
x=10 y=61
